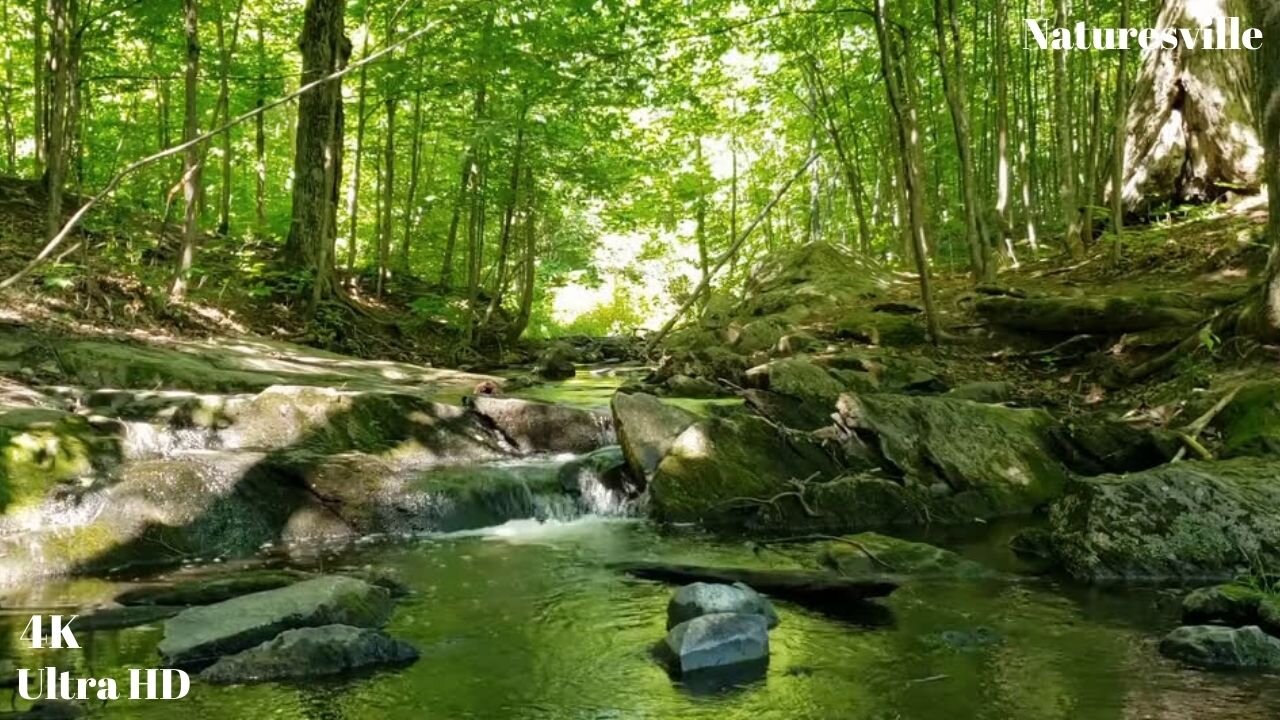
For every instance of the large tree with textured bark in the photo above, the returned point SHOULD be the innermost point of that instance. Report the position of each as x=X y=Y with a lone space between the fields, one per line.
x=1192 y=119
x=1267 y=14
x=317 y=166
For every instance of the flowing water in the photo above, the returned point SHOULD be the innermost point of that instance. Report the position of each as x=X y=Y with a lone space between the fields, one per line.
x=526 y=619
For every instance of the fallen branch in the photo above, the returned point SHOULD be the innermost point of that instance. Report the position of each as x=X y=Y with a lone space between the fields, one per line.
x=1191 y=433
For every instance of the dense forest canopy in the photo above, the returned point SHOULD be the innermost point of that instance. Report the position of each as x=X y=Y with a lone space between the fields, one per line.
x=562 y=165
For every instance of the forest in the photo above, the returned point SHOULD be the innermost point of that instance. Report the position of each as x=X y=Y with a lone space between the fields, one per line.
x=365 y=356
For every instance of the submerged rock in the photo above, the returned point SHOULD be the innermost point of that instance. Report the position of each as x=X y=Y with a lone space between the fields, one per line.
x=542 y=427
x=206 y=591
x=698 y=599
x=199 y=635
x=1186 y=521
x=869 y=553
x=311 y=652
x=1220 y=648
x=117 y=618
x=647 y=427
x=718 y=641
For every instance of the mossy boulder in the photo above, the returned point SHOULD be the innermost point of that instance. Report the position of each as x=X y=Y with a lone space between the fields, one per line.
x=1094 y=444
x=1234 y=604
x=1250 y=425
x=870 y=553
x=865 y=325
x=311 y=652
x=647 y=428
x=799 y=378
x=1179 y=522
x=1093 y=314
x=543 y=427
x=994 y=460
x=41 y=447
x=723 y=470
x=1219 y=648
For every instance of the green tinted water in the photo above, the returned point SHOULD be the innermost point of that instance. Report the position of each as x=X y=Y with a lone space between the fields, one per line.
x=526 y=621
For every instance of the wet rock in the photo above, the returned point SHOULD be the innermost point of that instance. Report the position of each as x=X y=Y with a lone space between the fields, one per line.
x=557 y=363
x=117 y=618
x=1186 y=521
x=1219 y=648
x=311 y=652
x=869 y=553
x=543 y=427
x=199 y=635
x=718 y=641
x=647 y=428
x=606 y=467
x=698 y=599
x=721 y=466
x=998 y=461
x=207 y=591
x=1234 y=604
x=991 y=393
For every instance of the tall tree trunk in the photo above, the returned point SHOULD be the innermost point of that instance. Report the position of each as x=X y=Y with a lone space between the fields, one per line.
x=411 y=197
x=700 y=218
x=468 y=170
x=357 y=162
x=39 y=84
x=1267 y=13
x=388 y=191
x=908 y=134
x=475 y=241
x=190 y=128
x=1088 y=196
x=508 y=218
x=1119 y=138
x=848 y=161
x=1065 y=148
x=222 y=112
x=529 y=262
x=951 y=62
x=60 y=26
x=10 y=132
x=1002 y=161
x=260 y=137
x=1191 y=116
x=317 y=157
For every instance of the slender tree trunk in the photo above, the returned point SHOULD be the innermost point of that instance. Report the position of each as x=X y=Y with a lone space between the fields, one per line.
x=226 y=51
x=951 y=62
x=39 y=84
x=60 y=25
x=1119 y=138
x=411 y=197
x=190 y=128
x=529 y=263
x=508 y=218
x=317 y=158
x=10 y=132
x=260 y=138
x=475 y=241
x=1268 y=15
x=353 y=191
x=1003 y=162
x=468 y=170
x=1089 y=195
x=388 y=192
x=1065 y=150
x=908 y=133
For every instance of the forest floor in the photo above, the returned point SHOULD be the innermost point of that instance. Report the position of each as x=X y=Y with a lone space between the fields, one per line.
x=118 y=287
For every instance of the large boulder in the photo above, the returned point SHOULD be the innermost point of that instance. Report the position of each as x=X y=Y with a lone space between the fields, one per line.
x=1185 y=521
x=698 y=599
x=199 y=635
x=718 y=641
x=723 y=470
x=646 y=428
x=311 y=652
x=542 y=427
x=799 y=378
x=1234 y=604
x=995 y=461
x=1219 y=648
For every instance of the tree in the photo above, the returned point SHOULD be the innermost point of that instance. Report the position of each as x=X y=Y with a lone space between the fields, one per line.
x=61 y=20
x=318 y=149
x=1191 y=120
x=1065 y=150
x=192 y=161
x=1119 y=141
x=1268 y=15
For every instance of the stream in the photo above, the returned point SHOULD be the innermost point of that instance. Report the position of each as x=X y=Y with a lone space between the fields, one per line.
x=525 y=619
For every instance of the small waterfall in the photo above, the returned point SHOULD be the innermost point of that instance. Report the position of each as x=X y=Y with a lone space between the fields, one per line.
x=144 y=440
x=596 y=497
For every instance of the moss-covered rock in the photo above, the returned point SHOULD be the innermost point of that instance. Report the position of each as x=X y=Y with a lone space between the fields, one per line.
x=1250 y=425
x=1088 y=315
x=799 y=378
x=1186 y=521
x=1219 y=648
x=1235 y=604
x=1094 y=444
x=996 y=461
x=41 y=447
x=722 y=470
x=646 y=429
x=865 y=325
